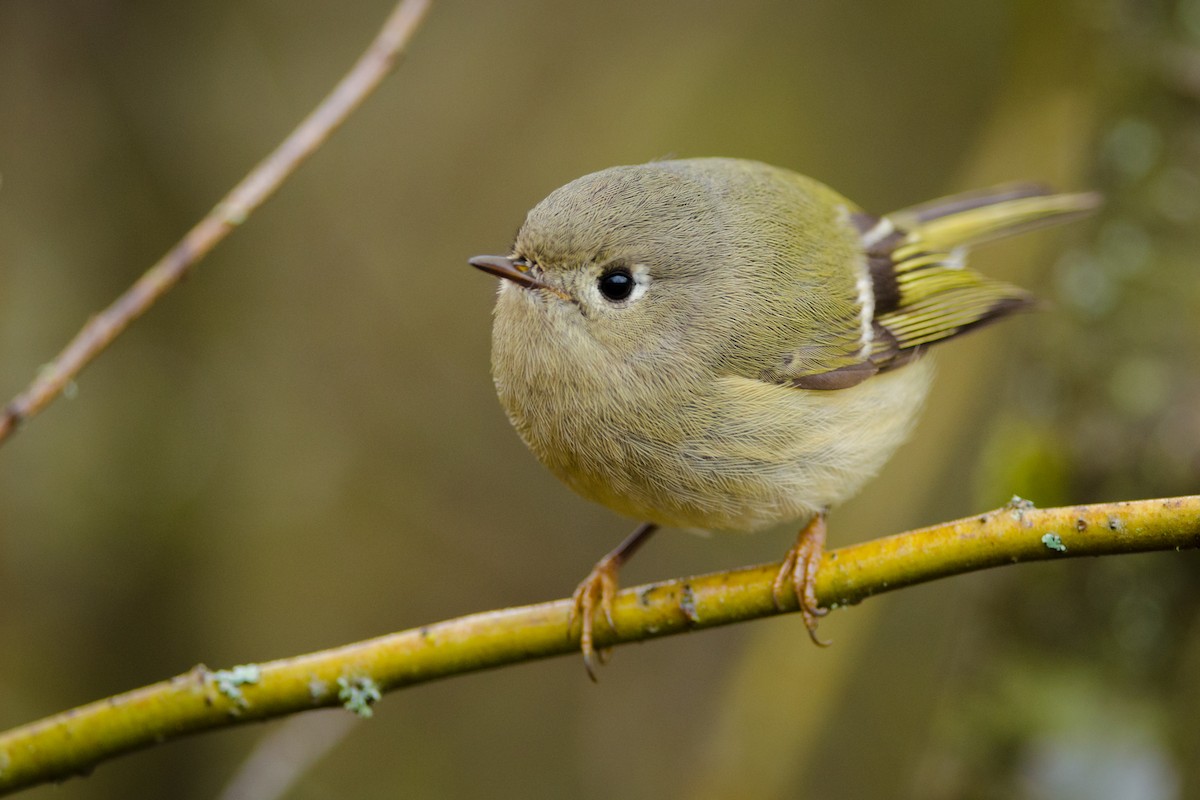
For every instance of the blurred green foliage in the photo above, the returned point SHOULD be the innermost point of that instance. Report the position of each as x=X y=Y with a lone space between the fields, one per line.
x=301 y=447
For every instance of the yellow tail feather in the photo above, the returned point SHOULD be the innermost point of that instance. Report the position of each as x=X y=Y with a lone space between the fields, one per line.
x=965 y=220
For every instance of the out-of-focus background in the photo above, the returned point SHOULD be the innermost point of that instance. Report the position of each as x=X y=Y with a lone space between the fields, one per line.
x=301 y=447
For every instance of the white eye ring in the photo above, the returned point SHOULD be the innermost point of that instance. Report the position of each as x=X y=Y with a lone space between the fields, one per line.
x=630 y=284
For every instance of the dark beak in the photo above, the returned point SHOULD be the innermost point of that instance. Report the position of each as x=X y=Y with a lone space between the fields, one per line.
x=504 y=267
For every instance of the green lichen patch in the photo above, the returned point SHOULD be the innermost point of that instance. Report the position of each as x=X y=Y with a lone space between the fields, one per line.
x=358 y=694
x=1054 y=542
x=1017 y=507
x=230 y=681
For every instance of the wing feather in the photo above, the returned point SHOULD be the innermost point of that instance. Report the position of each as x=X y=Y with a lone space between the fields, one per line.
x=922 y=292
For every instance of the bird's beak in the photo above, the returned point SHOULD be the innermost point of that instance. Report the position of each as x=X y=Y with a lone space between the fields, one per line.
x=504 y=267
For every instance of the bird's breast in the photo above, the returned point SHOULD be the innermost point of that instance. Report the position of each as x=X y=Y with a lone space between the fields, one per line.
x=673 y=444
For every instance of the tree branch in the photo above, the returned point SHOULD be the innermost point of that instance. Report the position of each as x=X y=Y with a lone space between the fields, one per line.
x=372 y=67
x=75 y=741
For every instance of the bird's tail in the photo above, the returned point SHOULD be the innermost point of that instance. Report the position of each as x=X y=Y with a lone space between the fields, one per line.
x=923 y=293
x=968 y=219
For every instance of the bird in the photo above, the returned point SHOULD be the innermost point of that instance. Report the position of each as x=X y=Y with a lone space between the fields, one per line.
x=720 y=344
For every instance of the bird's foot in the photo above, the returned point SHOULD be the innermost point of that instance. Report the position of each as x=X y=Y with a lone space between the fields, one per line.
x=799 y=575
x=594 y=594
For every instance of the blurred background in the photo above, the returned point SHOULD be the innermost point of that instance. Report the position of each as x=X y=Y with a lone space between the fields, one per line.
x=301 y=447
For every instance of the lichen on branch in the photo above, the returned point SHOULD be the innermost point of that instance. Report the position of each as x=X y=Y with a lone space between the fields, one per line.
x=75 y=741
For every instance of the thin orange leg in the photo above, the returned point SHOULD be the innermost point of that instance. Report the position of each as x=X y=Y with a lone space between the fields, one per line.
x=799 y=574
x=596 y=593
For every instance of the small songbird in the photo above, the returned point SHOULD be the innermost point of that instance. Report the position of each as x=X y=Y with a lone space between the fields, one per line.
x=721 y=344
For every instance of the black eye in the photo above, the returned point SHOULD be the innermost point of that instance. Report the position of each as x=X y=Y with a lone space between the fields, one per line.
x=616 y=284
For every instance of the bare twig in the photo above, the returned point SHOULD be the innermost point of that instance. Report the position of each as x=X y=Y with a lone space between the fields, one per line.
x=283 y=756
x=354 y=675
x=372 y=67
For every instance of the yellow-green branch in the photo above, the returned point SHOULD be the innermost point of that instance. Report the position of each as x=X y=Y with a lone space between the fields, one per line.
x=75 y=741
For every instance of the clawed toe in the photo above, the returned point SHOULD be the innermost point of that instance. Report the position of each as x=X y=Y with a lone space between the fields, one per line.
x=594 y=593
x=798 y=575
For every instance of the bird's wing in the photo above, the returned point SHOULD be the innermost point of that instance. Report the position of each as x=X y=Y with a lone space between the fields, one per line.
x=920 y=292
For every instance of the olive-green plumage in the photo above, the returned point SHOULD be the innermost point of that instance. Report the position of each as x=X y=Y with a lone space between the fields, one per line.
x=754 y=359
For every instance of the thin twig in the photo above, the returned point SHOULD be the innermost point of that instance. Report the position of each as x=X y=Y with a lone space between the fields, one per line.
x=282 y=757
x=76 y=741
x=372 y=67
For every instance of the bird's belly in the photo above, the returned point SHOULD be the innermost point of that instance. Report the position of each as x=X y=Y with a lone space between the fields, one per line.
x=747 y=455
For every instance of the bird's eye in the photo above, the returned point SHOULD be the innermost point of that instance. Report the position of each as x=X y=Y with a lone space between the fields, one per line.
x=616 y=284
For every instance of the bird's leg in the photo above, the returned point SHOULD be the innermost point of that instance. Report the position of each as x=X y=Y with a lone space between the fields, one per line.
x=799 y=574
x=597 y=591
